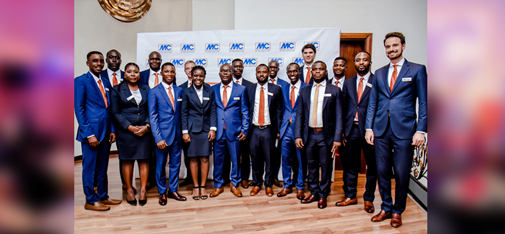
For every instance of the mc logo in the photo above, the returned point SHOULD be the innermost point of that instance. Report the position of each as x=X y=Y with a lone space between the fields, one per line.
x=278 y=59
x=287 y=46
x=178 y=62
x=262 y=46
x=187 y=48
x=250 y=62
x=164 y=48
x=212 y=47
x=221 y=61
x=201 y=61
x=315 y=43
x=298 y=60
x=237 y=47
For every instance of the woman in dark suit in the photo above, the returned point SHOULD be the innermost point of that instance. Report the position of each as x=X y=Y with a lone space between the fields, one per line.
x=199 y=127
x=130 y=111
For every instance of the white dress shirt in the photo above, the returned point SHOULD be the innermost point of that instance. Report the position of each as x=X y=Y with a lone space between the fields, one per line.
x=320 y=100
x=110 y=73
x=199 y=93
x=137 y=96
x=341 y=82
x=152 y=78
x=275 y=80
x=239 y=80
x=228 y=91
x=398 y=69
x=257 y=105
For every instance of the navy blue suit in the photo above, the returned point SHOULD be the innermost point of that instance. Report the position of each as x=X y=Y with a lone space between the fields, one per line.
x=392 y=117
x=262 y=141
x=318 y=145
x=235 y=117
x=355 y=134
x=166 y=125
x=94 y=118
x=291 y=156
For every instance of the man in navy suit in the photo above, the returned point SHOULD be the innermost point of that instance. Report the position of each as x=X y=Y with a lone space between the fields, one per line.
x=318 y=131
x=165 y=116
x=96 y=132
x=292 y=156
x=232 y=128
x=265 y=105
x=152 y=76
x=308 y=54
x=245 y=158
x=273 y=68
x=356 y=93
x=339 y=68
x=391 y=124
x=188 y=66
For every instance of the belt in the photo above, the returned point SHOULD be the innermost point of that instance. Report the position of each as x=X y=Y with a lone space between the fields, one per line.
x=261 y=127
x=355 y=123
x=316 y=129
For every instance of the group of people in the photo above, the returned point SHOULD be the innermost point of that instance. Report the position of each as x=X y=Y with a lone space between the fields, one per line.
x=297 y=126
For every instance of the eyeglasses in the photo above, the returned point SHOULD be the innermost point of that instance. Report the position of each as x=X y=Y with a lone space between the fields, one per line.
x=224 y=71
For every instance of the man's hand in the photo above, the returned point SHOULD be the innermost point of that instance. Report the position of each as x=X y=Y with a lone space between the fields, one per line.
x=299 y=143
x=343 y=140
x=369 y=137
x=241 y=136
x=112 y=138
x=162 y=144
x=186 y=138
x=93 y=142
x=212 y=135
x=142 y=130
x=418 y=139
x=334 y=149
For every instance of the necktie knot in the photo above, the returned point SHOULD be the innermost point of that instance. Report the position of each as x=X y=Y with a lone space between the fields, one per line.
x=337 y=82
x=272 y=80
x=236 y=81
x=293 y=87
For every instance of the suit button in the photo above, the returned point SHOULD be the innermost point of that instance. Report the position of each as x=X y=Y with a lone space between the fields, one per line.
x=387 y=110
x=357 y=107
x=138 y=113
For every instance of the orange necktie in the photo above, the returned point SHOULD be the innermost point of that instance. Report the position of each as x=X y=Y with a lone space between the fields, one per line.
x=337 y=82
x=292 y=97
x=156 y=80
x=273 y=81
x=307 y=77
x=360 y=92
x=235 y=82
x=171 y=96
x=314 y=106
x=261 y=114
x=103 y=92
x=225 y=101
x=393 y=79
x=114 y=79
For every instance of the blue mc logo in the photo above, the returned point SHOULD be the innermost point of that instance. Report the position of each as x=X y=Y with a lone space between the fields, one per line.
x=177 y=62
x=212 y=47
x=287 y=46
x=237 y=46
x=278 y=59
x=201 y=61
x=298 y=60
x=187 y=47
x=263 y=46
x=250 y=62
x=315 y=43
x=164 y=47
x=221 y=61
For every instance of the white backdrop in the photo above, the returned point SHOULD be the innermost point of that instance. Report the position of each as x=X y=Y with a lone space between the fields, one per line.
x=213 y=48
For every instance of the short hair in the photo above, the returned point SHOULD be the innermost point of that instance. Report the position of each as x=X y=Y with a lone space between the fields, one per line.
x=167 y=64
x=363 y=51
x=262 y=65
x=293 y=63
x=395 y=34
x=309 y=46
x=189 y=61
x=198 y=67
x=113 y=50
x=131 y=64
x=156 y=52
x=92 y=53
x=340 y=58
x=235 y=60
x=320 y=61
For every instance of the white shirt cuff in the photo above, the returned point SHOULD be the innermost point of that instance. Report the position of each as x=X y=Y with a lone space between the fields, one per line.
x=213 y=128
x=91 y=136
x=184 y=131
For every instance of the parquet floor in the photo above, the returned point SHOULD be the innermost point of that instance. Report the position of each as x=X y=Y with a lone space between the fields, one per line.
x=229 y=214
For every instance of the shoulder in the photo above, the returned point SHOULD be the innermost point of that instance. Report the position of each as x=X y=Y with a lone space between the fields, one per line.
x=414 y=65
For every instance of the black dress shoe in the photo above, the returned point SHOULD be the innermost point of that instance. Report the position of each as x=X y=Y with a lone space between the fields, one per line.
x=143 y=202
x=132 y=202
x=176 y=196
x=163 y=199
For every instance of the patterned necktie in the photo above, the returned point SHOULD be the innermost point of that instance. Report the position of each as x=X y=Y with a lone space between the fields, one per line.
x=261 y=114
x=393 y=79
x=171 y=96
x=307 y=77
x=103 y=92
x=314 y=105
x=360 y=92
x=156 y=80
x=114 y=79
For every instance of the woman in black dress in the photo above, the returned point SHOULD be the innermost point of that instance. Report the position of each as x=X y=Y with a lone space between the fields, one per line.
x=199 y=127
x=130 y=111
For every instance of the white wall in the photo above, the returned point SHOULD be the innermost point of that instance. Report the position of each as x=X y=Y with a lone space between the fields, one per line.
x=96 y=30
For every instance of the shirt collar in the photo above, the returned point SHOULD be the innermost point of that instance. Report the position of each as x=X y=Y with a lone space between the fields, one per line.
x=265 y=85
x=322 y=84
x=165 y=85
x=297 y=84
x=341 y=80
x=95 y=77
x=399 y=64
x=152 y=72
x=229 y=85
x=366 y=76
x=198 y=90
x=109 y=71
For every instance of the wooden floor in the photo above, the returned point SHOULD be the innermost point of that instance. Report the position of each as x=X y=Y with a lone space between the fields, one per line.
x=229 y=214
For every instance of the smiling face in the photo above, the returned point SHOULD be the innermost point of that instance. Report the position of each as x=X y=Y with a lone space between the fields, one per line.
x=225 y=73
x=168 y=74
x=318 y=72
x=273 y=67
x=154 y=61
x=362 y=63
x=293 y=72
x=394 y=48
x=308 y=56
x=95 y=63
x=131 y=74
x=262 y=74
x=339 y=67
x=198 y=78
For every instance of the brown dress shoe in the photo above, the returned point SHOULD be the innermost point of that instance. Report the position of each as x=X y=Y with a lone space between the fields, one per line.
x=309 y=199
x=176 y=196
x=111 y=201
x=245 y=184
x=216 y=192
x=269 y=192
x=255 y=190
x=284 y=192
x=321 y=204
x=347 y=201
x=381 y=216
x=235 y=191
x=163 y=199
x=97 y=206
x=277 y=183
x=369 y=208
x=300 y=194
x=396 y=220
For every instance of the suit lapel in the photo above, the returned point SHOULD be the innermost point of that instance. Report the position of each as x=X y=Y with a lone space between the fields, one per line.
x=127 y=93
x=353 y=88
x=405 y=68
x=217 y=92
x=367 y=88
x=233 y=94
x=95 y=85
x=161 y=89
x=144 y=92
x=327 y=91
x=268 y=91
x=194 y=96
x=205 y=94
x=385 y=80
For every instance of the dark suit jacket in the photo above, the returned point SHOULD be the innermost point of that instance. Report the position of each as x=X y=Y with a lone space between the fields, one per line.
x=247 y=83
x=235 y=114
x=105 y=76
x=332 y=114
x=165 y=120
x=274 y=106
x=399 y=106
x=198 y=116
x=351 y=104
x=127 y=112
